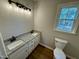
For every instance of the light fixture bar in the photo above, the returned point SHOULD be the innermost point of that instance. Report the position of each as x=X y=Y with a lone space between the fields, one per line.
x=19 y=5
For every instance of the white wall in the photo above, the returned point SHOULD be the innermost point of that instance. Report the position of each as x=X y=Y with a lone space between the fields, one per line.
x=13 y=22
x=45 y=11
x=44 y=20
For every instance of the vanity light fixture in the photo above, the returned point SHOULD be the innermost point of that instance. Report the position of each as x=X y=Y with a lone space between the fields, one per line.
x=19 y=5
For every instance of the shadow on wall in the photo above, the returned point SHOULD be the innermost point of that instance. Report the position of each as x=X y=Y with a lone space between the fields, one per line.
x=72 y=49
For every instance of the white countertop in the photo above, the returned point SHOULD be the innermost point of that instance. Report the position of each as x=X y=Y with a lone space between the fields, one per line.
x=25 y=38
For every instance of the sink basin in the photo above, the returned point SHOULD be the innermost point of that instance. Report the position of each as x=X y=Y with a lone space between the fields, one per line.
x=15 y=44
x=34 y=34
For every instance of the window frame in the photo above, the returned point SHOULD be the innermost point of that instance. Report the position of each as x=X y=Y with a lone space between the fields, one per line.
x=76 y=22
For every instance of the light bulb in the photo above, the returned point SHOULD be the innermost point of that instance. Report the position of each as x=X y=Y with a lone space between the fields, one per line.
x=9 y=6
x=21 y=10
x=17 y=9
x=28 y=12
x=14 y=7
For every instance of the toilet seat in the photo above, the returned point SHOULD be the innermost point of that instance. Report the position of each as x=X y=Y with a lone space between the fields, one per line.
x=59 y=54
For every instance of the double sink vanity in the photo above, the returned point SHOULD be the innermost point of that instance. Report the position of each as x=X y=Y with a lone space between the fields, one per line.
x=22 y=47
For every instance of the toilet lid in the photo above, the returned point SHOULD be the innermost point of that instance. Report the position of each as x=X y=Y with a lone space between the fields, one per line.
x=59 y=54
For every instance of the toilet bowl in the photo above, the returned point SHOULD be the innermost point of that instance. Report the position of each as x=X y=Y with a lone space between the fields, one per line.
x=58 y=51
x=59 y=54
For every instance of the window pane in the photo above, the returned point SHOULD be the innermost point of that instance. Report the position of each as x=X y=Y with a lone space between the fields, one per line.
x=63 y=13
x=72 y=13
x=65 y=25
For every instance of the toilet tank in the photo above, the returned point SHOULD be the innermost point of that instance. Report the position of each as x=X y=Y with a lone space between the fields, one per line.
x=60 y=43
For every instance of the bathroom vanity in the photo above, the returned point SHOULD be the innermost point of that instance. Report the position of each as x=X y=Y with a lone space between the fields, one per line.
x=22 y=46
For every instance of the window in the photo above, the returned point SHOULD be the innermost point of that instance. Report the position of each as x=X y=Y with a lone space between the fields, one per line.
x=66 y=19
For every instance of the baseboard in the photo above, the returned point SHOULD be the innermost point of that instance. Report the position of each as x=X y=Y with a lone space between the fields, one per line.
x=70 y=57
x=46 y=46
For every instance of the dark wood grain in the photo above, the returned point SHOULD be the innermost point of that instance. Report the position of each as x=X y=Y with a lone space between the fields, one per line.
x=41 y=53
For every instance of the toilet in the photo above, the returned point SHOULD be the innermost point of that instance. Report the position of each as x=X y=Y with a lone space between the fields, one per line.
x=58 y=51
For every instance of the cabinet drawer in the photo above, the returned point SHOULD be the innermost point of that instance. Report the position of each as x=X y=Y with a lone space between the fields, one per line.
x=21 y=53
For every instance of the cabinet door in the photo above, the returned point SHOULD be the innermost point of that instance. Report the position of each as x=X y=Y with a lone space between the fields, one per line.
x=31 y=46
x=37 y=40
x=21 y=53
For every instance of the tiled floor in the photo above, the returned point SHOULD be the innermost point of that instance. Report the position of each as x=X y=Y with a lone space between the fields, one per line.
x=41 y=53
